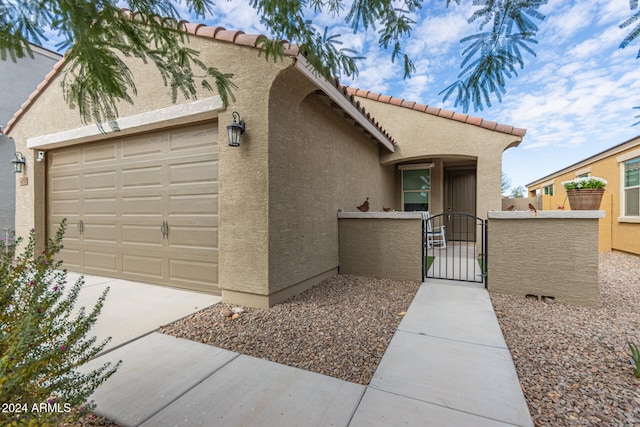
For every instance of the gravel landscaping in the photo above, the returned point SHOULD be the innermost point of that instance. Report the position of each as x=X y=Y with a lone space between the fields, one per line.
x=339 y=328
x=573 y=362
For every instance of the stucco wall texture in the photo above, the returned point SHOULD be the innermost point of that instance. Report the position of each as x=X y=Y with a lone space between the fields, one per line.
x=247 y=167
x=18 y=80
x=551 y=257
x=421 y=136
x=318 y=164
x=377 y=247
x=299 y=162
x=615 y=232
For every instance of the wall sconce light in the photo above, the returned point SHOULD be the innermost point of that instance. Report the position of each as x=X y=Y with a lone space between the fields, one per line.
x=18 y=162
x=235 y=129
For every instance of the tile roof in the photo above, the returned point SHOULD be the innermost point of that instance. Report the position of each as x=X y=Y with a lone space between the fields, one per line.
x=35 y=94
x=202 y=30
x=464 y=118
x=291 y=50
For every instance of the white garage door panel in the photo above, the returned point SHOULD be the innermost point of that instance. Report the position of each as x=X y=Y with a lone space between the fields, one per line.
x=123 y=190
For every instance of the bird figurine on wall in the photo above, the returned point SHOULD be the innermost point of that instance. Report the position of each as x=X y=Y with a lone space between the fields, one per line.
x=533 y=209
x=510 y=208
x=364 y=206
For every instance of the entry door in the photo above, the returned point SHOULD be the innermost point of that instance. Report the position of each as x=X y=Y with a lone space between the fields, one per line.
x=460 y=196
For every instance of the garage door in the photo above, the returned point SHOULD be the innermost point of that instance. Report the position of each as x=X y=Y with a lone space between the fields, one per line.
x=142 y=207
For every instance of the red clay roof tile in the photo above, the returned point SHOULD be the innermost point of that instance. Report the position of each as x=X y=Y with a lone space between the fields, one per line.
x=464 y=118
x=433 y=110
x=489 y=124
x=408 y=104
x=249 y=39
x=290 y=49
x=460 y=117
x=420 y=107
x=193 y=28
x=474 y=120
x=446 y=114
x=206 y=31
x=228 y=35
x=25 y=105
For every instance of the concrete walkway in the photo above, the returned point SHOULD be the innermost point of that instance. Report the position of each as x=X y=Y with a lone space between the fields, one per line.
x=447 y=365
x=458 y=261
x=134 y=309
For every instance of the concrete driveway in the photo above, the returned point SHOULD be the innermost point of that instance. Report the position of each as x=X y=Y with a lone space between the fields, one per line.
x=134 y=309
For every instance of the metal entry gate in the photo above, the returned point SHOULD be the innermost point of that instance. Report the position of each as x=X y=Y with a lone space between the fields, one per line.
x=455 y=247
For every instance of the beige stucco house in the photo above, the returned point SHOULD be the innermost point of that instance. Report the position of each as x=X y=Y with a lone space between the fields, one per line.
x=167 y=200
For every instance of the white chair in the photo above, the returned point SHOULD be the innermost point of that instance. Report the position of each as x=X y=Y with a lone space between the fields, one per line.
x=434 y=235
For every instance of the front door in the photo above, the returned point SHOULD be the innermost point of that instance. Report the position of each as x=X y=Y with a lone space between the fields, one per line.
x=460 y=196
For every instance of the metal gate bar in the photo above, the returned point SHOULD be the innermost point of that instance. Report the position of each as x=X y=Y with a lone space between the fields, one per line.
x=455 y=247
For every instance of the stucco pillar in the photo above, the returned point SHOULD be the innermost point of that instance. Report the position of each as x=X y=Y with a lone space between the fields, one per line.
x=243 y=212
x=489 y=184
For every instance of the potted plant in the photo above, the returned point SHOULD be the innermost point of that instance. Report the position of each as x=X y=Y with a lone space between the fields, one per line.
x=585 y=193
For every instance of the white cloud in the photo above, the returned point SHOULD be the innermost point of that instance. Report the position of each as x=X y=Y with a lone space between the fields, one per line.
x=567 y=20
x=613 y=12
x=438 y=34
x=414 y=88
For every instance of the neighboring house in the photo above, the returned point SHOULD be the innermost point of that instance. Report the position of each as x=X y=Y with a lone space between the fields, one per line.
x=620 y=166
x=19 y=80
x=167 y=200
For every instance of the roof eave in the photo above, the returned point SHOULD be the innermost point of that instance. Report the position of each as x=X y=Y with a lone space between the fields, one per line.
x=343 y=102
x=630 y=143
x=439 y=112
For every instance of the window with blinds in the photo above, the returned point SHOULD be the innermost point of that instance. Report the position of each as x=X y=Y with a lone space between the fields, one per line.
x=632 y=187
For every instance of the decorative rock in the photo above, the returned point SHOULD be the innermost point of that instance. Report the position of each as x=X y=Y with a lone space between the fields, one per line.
x=340 y=327
x=235 y=316
x=226 y=312
x=238 y=310
x=572 y=361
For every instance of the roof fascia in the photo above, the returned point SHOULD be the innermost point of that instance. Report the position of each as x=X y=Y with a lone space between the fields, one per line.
x=303 y=65
x=635 y=141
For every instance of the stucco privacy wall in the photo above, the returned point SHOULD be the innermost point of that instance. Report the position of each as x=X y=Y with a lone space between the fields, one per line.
x=246 y=168
x=381 y=244
x=615 y=231
x=318 y=163
x=422 y=136
x=559 y=201
x=551 y=253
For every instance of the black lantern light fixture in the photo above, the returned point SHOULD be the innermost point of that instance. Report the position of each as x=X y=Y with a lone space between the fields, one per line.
x=235 y=129
x=18 y=162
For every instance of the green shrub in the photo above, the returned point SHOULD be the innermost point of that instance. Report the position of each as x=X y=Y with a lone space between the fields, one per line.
x=42 y=342
x=635 y=354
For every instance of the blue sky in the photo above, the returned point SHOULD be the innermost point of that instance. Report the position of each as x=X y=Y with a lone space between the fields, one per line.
x=575 y=98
